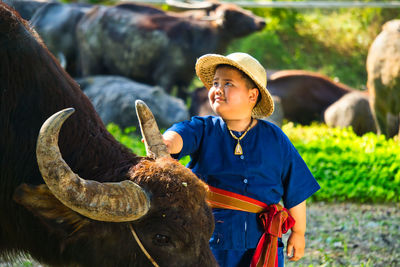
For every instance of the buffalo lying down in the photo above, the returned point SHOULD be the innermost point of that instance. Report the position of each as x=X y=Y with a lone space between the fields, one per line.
x=88 y=221
x=305 y=95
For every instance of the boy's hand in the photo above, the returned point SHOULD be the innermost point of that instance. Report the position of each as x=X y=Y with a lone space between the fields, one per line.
x=295 y=246
x=173 y=141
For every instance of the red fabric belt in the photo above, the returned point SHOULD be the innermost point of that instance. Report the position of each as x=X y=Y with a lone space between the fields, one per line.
x=276 y=221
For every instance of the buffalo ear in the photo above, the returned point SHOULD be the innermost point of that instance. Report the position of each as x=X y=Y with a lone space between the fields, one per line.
x=42 y=203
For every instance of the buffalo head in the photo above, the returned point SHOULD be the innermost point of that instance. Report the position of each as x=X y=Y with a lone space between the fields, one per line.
x=158 y=216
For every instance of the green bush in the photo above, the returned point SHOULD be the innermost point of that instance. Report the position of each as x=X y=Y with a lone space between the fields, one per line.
x=128 y=137
x=348 y=167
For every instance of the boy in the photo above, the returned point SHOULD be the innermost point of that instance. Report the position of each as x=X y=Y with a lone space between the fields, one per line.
x=249 y=159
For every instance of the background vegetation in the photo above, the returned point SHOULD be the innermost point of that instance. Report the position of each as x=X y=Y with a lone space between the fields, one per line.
x=333 y=42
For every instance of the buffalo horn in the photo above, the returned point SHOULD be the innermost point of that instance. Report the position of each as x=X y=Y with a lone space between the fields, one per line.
x=153 y=140
x=111 y=202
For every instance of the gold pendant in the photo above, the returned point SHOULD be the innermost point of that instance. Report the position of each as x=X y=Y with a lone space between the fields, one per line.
x=238 y=149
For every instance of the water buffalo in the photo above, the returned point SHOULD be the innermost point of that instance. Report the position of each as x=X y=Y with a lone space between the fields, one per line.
x=305 y=95
x=156 y=47
x=383 y=68
x=353 y=110
x=60 y=219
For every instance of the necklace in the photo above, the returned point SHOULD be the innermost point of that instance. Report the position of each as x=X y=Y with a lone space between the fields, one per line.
x=238 y=149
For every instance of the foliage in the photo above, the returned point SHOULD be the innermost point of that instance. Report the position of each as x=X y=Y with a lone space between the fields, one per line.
x=349 y=167
x=333 y=42
x=128 y=137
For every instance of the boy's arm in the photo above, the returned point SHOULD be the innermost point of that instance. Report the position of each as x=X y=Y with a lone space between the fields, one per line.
x=173 y=141
x=296 y=242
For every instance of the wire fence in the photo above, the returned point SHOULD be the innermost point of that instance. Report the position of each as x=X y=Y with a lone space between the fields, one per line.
x=299 y=5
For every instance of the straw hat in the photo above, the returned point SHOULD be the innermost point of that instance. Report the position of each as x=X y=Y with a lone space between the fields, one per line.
x=207 y=64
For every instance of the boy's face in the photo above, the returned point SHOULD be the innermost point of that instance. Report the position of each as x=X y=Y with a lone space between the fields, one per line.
x=229 y=96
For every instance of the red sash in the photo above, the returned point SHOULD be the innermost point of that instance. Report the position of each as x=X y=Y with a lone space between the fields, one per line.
x=276 y=221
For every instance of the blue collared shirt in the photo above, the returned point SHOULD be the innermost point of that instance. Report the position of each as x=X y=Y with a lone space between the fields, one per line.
x=270 y=170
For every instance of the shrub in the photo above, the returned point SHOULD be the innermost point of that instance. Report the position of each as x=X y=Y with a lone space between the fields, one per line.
x=349 y=167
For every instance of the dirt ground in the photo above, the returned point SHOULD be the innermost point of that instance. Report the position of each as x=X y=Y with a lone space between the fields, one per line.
x=351 y=235
x=338 y=235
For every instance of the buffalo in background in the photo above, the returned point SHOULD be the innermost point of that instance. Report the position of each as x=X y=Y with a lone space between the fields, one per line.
x=156 y=47
x=383 y=67
x=353 y=110
x=305 y=95
x=70 y=221
x=56 y=24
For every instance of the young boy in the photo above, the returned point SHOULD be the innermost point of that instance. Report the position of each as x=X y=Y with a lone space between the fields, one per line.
x=243 y=157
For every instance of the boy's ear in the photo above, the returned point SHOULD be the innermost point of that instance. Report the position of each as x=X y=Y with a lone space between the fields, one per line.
x=253 y=95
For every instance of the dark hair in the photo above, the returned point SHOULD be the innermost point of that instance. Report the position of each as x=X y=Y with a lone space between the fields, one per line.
x=250 y=84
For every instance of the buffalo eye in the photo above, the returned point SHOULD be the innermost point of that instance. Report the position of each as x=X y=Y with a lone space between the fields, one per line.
x=161 y=240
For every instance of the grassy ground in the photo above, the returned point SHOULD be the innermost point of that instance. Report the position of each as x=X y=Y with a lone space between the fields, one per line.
x=352 y=235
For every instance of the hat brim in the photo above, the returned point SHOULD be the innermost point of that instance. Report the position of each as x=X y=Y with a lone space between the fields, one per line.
x=205 y=70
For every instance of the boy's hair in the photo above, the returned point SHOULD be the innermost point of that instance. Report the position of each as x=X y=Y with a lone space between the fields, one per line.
x=250 y=84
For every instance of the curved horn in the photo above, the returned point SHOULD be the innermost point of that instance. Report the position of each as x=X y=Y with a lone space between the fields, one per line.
x=153 y=140
x=112 y=202
x=189 y=5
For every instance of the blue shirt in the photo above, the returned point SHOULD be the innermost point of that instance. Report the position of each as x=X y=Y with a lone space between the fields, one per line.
x=269 y=170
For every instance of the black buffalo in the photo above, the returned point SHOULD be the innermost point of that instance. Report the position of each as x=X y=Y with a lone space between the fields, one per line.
x=70 y=221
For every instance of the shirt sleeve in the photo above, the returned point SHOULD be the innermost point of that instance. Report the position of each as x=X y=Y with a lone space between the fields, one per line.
x=298 y=181
x=191 y=132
